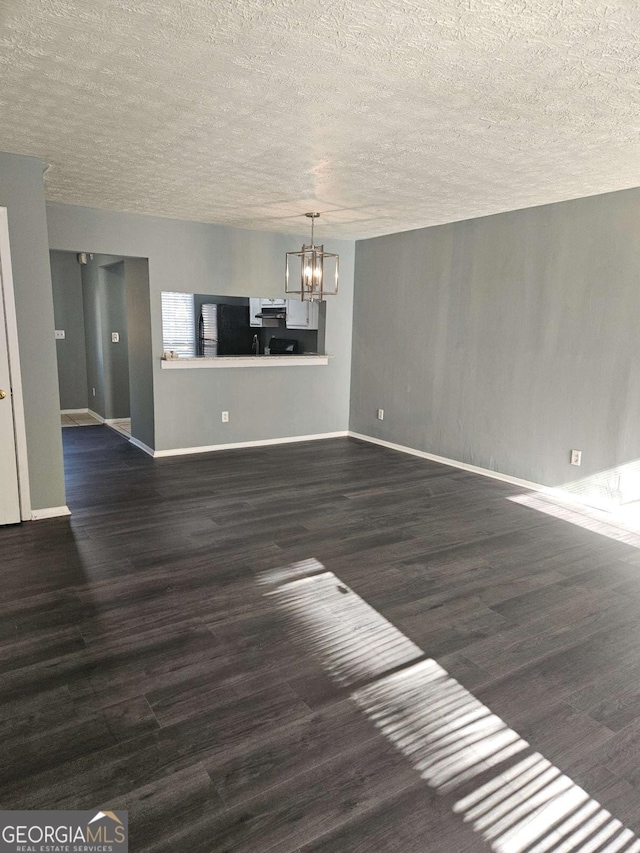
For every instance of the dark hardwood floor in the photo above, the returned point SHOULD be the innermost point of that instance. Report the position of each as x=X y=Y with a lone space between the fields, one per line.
x=142 y=665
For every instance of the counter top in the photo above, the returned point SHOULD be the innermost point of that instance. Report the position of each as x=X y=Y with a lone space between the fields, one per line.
x=245 y=361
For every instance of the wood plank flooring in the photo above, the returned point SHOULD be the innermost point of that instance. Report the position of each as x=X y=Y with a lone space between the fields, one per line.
x=143 y=667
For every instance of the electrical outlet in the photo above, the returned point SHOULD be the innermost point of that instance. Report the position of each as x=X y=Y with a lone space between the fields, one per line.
x=576 y=457
x=93 y=391
x=380 y=414
x=59 y=334
x=225 y=417
x=115 y=337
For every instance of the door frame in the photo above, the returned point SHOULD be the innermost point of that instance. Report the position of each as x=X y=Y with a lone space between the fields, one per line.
x=11 y=320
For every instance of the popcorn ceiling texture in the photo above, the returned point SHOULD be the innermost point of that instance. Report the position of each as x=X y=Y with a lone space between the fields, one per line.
x=385 y=115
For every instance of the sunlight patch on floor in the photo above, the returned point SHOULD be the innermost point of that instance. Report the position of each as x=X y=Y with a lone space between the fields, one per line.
x=447 y=733
x=608 y=489
x=521 y=802
x=597 y=521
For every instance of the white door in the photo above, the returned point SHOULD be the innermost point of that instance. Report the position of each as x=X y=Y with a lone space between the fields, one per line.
x=11 y=413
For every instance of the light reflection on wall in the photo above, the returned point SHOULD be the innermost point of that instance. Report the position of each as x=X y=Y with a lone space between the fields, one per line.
x=521 y=803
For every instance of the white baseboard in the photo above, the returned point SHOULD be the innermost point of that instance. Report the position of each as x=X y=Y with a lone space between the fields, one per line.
x=74 y=412
x=101 y=419
x=474 y=469
x=184 y=451
x=49 y=512
x=140 y=444
x=557 y=493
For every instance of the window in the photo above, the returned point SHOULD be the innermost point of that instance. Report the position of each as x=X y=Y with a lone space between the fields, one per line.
x=178 y=323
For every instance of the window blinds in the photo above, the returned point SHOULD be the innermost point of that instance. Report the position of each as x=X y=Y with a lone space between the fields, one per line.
x=178 y=323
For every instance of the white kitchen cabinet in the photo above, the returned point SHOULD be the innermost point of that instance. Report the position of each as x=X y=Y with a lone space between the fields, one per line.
x=302 y=315
x=254 y=308
x=257 y=305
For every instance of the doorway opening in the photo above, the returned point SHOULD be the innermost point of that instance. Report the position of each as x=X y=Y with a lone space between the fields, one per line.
x=101 y=310
x=15 y=500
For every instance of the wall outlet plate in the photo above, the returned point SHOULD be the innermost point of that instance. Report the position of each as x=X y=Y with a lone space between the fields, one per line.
x=225 y=417
x=380 y=414
x=115 y=337
x=59 y=334
x=576 y=457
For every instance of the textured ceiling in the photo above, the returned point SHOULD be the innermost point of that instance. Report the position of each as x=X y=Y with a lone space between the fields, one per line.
x=385 y=115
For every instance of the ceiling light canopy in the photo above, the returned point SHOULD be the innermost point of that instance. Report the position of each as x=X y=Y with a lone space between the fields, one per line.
x=316 y=280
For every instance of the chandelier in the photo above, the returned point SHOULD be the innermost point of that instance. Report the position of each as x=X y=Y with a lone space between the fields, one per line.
x=315 y=280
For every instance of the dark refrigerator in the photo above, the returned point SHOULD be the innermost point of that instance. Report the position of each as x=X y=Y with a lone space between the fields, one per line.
x=228 y=334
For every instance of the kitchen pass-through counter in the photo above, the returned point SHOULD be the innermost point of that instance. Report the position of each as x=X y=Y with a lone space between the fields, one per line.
x=200 y=362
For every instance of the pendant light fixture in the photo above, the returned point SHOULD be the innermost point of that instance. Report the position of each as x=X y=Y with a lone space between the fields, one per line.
x=315 y=280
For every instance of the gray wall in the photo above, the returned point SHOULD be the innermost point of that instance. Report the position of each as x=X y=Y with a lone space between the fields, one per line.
x=136 y=274
x=506 y=341
x=93 y=336
x=116 y=363
x=68 y=312
x=265 y=403
x=105 y=312
x=22 y=193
